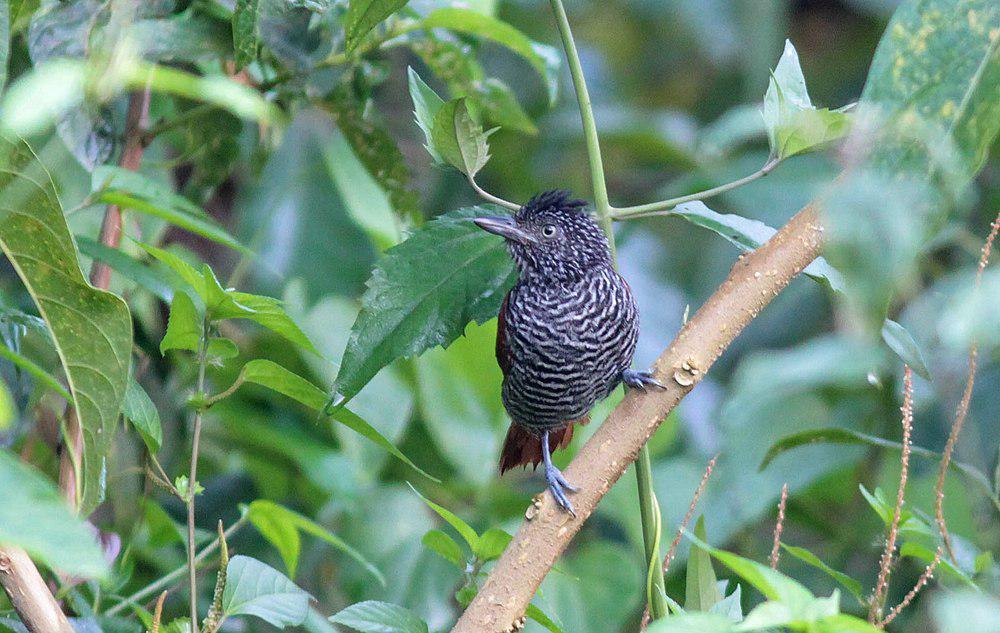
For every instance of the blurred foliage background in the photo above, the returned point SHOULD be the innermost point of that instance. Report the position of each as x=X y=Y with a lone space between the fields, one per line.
x=677 y=89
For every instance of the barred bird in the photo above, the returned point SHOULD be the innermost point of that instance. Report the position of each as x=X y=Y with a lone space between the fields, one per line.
x=566 y=333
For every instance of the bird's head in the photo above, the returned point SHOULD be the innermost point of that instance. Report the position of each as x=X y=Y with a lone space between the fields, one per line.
x=553 y=236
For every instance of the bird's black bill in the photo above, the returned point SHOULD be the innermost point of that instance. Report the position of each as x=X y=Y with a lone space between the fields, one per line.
x=506 y=228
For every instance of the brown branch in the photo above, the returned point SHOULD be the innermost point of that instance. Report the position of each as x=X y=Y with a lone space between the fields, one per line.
x=963 y=406
x=925 y=577
x=672 y=552
x=885 y=565
x=754 y=281
x=27 y=591
x=779 y=525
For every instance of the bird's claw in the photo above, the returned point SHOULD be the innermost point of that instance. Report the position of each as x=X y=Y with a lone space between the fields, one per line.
x=558 y=486
x=640 y=379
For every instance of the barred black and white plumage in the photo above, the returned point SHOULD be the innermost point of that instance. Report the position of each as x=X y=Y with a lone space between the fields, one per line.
x=567 y=329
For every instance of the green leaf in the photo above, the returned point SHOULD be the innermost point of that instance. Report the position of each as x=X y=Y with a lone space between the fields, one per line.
x=184 y=325
x=34 y=369
x=34 y=516
x=222 y=348
x=748 y=235
x=692 y=623
x=253 y=588
x=245 y=35
x=270 y=313
x=464 y=529
x=281 y=527
x=273 y=376
x=91 y=328
x=544 y=59
x=900 y=341
x=220 y=303
x=188 y=273
x=379 y=617
x=426 y=105
x=141 y=412
x=364 y=15
x=132 y=190
x=145 y=277
x=793 y=124
x=459 y=138
x=423 y=293
x=491 y=544
x=444 y=546
x=539 y=616
x=701 y=587
x=807 y=557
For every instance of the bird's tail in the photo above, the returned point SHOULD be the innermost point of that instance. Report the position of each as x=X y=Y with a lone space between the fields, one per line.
x=523 y=447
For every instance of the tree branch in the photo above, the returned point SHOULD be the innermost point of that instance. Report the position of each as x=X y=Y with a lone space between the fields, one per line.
x=27 y=591
x=754 y=281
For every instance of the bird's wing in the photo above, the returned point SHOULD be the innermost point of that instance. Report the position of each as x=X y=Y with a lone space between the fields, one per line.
x=502 y=350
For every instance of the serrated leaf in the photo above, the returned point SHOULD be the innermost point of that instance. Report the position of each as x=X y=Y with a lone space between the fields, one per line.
x=544 y=59
x=807 y=557
x=281 y=527
x=901 y=342
x=364 y=15
x=253 y=588
x=246 y=14
x=464 y=529
x=35 y=517
x=423 y=293
x=444 y=546
x=91 y=328
x=379 y=617
x=184 y=325
x=426 y=104
x=701 y=589
x=273 y=376
x=459 y=138
x=141 y=412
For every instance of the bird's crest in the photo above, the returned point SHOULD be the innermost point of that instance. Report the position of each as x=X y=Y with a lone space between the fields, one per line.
x=557 y=200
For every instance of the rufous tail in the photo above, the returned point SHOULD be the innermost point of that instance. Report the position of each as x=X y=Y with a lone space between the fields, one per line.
x=523 y=447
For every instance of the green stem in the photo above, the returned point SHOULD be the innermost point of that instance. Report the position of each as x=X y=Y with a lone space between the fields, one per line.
x=656 y=208
x=193 y=478
x=649 y=513
x=648 y=507
x=176 y=574
x=601 y=203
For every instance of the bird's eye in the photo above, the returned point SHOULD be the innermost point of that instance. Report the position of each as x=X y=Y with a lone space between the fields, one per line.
x=548 y=230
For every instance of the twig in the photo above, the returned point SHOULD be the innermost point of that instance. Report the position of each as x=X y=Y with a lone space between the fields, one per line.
x=158 y=613
x=885 y=566
x=925 y=577
x=672 y=552
x=28 y=594
x=778 y=527
x=489 y=197
x=962 y=411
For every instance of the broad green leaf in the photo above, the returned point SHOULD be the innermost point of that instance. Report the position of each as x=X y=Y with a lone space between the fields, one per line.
x=459 y=138
x=793 y=124
x=220 y=303
x=222 y=348
x=901 y=342
x=190 y=37
x=147 y=278
x=132 y=190
x=939 y=62
x=544 y=59
x=379 y=617
x=701 y=587
x=807 y=557
x=426 y=105
x=692 y=623
x=539 y=616
x=364 y=15
x=245 y=16
x=491 y=544
x=34 y=516
x=34 y=369
x=184 y=325
x=141 y=412
x=444 y=546
x=270 y=313
x=748 y=235
x=91 y=328
x=253 y=588
x=423 y=293
x=464 y=529
x=273 y=376
x=846 y=436
x=281 y=526
x=188 y=273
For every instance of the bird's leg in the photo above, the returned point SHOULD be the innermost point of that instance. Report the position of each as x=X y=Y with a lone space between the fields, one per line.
x=640 y=379
x=557 y=483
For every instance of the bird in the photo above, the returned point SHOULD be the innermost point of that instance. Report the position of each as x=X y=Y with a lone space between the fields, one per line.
x=566 y=330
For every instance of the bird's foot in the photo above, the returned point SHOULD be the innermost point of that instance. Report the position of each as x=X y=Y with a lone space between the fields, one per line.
x=641 y=379
x=558 y=486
